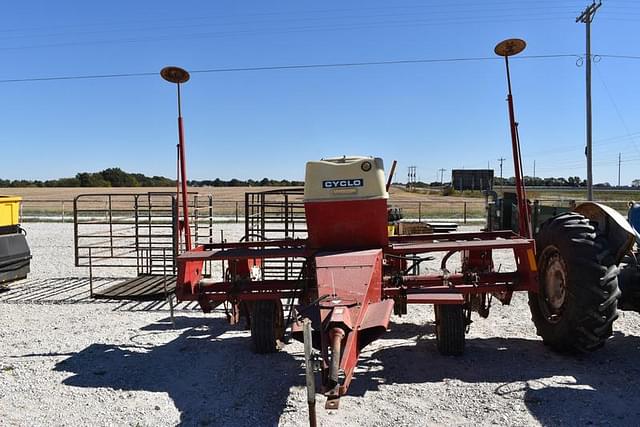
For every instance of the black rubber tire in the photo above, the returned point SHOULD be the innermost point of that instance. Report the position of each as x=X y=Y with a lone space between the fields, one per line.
x=629 y=284
x=450 y=329
x=267 y=326
x=582 y=315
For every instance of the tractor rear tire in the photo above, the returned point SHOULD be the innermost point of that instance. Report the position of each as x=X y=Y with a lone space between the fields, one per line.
x=629 y=284
x=450 y=329
x=576 y=303
x=267 y=326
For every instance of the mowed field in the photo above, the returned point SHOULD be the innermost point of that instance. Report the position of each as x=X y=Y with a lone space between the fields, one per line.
x=220 y=193
x=229 y=201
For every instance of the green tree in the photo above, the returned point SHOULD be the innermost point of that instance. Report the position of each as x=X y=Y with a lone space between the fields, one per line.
x=118 y=178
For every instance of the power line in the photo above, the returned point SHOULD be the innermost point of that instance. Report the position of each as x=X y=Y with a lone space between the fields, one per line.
x=84 y=77
x=286 y=67
x=598 y=163
x=615 y=107
x=449 y=7
x=404 y=23
x=602 y=143
x=619 y=56
x=218 y=21
x=432 y=10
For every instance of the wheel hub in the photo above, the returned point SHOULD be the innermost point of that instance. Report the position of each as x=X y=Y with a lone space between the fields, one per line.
x=555 y=283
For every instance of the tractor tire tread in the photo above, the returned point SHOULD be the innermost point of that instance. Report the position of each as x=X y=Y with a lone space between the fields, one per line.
x=592 y=284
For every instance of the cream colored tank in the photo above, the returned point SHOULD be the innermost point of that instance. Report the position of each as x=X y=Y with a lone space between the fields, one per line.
x=345 y=178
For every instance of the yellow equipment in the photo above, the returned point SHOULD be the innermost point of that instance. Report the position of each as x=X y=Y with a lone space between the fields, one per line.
x=15 y=256
x=9 y=210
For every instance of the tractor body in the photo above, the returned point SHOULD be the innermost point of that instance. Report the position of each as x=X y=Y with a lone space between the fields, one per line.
x=618 y=236
x=629 y=278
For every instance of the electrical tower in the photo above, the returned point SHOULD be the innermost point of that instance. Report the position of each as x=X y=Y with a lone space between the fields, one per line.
x=411 y=178
x=586 y=17
x=441 y=170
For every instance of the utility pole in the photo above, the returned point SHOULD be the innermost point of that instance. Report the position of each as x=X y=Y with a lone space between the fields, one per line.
x=441 y=170
x=501 y=159
x=586 y=17
x=619 y=162
x=534 y=171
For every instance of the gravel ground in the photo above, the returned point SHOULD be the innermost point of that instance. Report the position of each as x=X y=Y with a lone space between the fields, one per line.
x=68 y=360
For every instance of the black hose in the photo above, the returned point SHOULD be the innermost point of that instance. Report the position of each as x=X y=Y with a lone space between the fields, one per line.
x=415 y=259
x=443 y=264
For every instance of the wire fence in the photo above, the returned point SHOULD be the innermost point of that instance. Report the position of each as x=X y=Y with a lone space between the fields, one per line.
x=461 y=211
x=61 y=210
x=57 y=210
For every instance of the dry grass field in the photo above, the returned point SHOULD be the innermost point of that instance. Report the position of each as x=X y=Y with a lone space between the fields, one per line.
x=229 y=201
x=220 y=193
x=68 y=194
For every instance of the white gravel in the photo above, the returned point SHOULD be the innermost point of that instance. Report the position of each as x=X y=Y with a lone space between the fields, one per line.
x=67 y=360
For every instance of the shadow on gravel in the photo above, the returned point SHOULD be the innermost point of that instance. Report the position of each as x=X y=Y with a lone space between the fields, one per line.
x=57 y=290
x=598 y=388
x=211 y=380
x=74 y=290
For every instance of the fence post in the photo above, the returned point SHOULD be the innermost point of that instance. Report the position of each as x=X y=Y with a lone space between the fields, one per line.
x=236 y=212
x=465 y=212
x=167 y=295
x=90 y=274
x=419 y=211
x=63 y=211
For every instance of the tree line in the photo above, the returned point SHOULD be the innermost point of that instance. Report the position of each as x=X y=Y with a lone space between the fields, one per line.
x=116 y=177
x=572 y=181
x=264 y=182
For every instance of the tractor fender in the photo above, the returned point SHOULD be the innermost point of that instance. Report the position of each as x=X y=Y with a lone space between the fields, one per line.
x=611 y=224
x=634 y=217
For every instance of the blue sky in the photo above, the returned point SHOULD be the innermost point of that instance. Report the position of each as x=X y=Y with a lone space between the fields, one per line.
x=252 y=124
